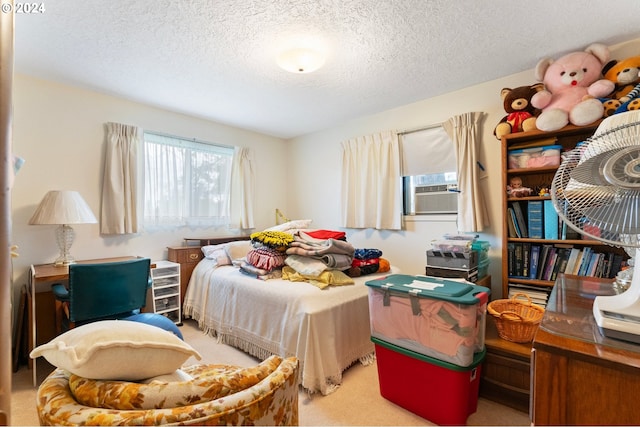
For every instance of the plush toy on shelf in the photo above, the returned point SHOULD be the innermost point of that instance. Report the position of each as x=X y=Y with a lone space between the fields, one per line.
x=521 y=115
x=515 y=188
x=625 y=75
x=573 y=85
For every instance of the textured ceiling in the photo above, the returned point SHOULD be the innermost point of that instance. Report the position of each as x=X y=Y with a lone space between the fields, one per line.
x=216 y=58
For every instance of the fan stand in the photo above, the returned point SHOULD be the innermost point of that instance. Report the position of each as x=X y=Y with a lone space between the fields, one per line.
x=618 y=316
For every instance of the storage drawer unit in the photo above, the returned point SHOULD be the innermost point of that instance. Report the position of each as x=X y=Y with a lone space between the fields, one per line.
x=166 y=290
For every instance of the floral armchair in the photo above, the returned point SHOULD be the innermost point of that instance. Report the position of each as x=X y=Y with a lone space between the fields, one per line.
x=142 y=381
x=217 y=395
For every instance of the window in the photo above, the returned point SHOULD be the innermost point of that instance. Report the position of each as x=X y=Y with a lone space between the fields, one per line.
x=185 y=182
x=430 y=179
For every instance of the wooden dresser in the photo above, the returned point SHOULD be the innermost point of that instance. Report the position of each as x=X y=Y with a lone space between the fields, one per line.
x=187 y=257
x=190 y=254
x=579 y=376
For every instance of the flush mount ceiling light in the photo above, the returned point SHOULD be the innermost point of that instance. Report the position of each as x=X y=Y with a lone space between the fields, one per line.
x=301 y=60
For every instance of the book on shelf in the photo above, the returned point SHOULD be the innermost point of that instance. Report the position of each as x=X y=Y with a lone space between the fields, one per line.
x=526 y=258
x=511 y=249
x=550 y=221
x=561 y=262
x=511 y=223
x=534 y=215
x=538 y=295
x=571 y=262
x=542 y=261
x=518 y=260
x=552 y=255
x=535 y=256
x=520 y=219
x=584 y=263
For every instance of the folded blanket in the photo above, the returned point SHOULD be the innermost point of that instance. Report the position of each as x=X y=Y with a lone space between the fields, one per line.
x=278 y=240
x=329 y=246
x=309 y=266
x=326 y=278
x=336 y=261
x=326 y=234
x=367 y=253
x=265 y=258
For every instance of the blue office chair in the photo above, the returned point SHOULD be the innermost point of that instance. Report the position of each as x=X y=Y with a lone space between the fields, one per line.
x=101 y=291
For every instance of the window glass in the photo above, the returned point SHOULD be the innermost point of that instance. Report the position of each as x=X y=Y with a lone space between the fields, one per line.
x=186 y=182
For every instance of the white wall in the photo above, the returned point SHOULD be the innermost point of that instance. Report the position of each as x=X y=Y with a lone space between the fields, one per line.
x=317 y=169
x=60 y=131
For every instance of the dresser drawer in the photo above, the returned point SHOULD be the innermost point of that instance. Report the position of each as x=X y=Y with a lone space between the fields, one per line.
x=185 y=255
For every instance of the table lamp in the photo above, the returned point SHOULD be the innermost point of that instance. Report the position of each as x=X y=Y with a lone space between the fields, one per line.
x=63 y=208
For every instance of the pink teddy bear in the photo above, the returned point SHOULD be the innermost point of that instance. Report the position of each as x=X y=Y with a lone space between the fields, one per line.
x=572 y=85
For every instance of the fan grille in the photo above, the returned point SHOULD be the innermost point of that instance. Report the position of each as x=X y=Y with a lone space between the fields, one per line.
x=596 y=189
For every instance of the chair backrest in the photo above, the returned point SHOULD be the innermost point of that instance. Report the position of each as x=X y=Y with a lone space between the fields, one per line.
x=107 y=290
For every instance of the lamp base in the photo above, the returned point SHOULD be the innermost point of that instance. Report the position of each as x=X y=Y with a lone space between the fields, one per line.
x=65 y=236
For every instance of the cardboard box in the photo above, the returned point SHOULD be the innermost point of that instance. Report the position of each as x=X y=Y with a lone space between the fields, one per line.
x=439 y=318
x=440 y=392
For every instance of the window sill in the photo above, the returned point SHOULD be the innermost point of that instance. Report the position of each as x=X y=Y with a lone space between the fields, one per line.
x=431 y=218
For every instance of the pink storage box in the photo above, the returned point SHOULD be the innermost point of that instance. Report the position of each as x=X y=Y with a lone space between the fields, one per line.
x=536 y=157
x=433 y=316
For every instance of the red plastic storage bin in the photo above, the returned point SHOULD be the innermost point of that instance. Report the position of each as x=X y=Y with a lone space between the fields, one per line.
x=440 y=392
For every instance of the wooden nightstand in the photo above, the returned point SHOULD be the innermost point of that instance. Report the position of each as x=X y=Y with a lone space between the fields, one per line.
x=188 y=257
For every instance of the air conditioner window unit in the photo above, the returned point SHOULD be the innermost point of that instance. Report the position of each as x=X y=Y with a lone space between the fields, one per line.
x=435 y=199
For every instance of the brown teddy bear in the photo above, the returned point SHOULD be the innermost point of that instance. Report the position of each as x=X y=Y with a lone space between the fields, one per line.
x=625 y=74
x=521 y=115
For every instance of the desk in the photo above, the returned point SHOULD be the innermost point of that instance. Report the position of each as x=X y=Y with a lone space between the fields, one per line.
x=579 y=376
x=41 y=303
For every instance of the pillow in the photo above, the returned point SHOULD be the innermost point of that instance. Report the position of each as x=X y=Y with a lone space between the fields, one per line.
x=116 y=350
x=219 y=255
x=238 y=250
x=298 y=224
x=207 y=383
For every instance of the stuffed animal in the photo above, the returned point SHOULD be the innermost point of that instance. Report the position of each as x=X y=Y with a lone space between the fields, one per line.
x=625 y=75
x=521 y=116
x=572 y=85
x=631 y=101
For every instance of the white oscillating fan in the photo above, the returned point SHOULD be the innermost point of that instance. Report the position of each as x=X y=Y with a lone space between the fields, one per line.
x=596 y=191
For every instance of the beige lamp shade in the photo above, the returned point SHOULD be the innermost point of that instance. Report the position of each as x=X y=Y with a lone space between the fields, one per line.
x=63 y=208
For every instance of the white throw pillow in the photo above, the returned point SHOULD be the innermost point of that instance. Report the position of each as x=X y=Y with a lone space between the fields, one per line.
x=117 y=350
x=236 y=251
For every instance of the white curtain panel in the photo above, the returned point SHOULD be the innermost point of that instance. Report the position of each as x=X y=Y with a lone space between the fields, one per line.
x=472 y=211
x=242 y=188
x=371 y=182
x=119 y=186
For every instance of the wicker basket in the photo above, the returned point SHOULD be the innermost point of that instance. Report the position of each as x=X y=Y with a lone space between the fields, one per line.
x=516 y=320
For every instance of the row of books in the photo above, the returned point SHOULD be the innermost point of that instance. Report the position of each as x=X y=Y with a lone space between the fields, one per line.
x=537 y=219
x=545 y=261
x=537 y=294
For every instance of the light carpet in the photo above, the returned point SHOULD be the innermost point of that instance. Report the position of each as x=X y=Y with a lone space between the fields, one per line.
x=357 y=402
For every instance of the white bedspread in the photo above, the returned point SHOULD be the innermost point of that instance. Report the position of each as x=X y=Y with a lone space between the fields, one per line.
x=327 y=330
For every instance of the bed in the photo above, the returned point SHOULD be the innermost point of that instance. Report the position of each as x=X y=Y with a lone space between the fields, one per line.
x=328 y=329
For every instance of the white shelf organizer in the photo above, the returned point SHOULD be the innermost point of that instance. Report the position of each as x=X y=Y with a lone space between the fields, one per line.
x=166 y=290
